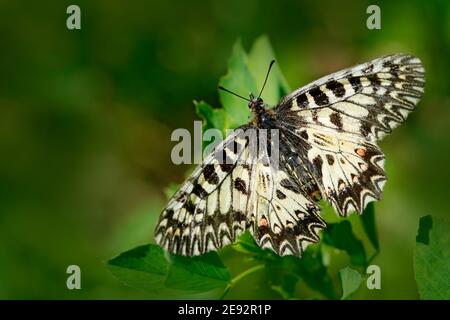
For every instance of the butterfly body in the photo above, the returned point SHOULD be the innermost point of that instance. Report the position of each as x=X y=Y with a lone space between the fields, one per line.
x=263 y=116
x=326 y=142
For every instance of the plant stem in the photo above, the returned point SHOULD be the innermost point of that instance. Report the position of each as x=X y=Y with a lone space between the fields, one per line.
x=239 y=277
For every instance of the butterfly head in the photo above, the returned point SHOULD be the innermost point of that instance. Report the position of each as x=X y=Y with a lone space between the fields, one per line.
x=255 y=103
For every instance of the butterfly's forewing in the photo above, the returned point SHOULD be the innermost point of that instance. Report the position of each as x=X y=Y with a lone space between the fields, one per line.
x=341 y=116
x=368 y=100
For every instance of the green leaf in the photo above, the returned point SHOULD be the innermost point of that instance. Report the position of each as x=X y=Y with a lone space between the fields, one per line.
x=213 y=117
x=246 y=244
x=432 y=258
x=144 y=267
x=286 y=287
x=350 y=281
x=151 y=269
x=341 y=236
x=238 y=79
x=258 y=61
x=425 y=225
x=368 y=222
x=309 y=268
x=242 y=71
x=201 y=273
x=314 y=273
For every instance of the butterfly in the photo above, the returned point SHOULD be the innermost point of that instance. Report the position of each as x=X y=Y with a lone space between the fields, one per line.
x=327 y=148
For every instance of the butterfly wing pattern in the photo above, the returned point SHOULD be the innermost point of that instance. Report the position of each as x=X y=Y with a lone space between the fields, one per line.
x=328 y=133
x=232 y=191
x=281 y=217
x=209 y=210
x=341 y=116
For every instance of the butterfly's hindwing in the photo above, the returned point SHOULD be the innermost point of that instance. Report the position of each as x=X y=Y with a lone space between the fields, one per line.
x=282 y=218
x=350 y=171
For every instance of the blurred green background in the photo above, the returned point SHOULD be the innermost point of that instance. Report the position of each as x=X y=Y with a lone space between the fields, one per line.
x=86 y=118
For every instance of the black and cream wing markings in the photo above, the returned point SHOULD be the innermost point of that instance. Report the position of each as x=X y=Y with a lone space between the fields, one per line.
x=369 y=99
x=220 y=201
x=328 y=132
x=341 y=116
x=209 y=210
x=282 y=218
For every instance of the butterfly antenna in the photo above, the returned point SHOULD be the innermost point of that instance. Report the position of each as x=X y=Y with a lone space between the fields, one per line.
x=235 y=94
x=267 y=76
